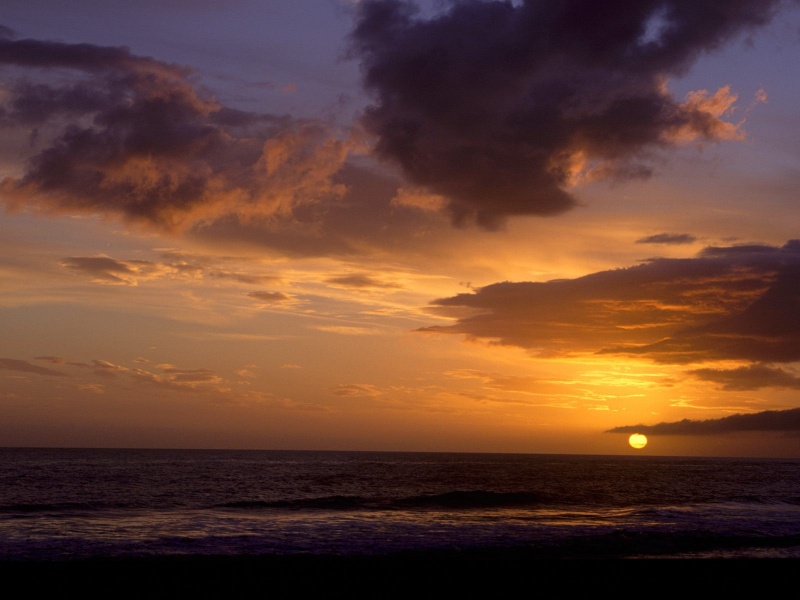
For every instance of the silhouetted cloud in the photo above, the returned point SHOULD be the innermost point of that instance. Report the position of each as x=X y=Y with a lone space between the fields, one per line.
x=269 y=297
x=357 y=390
x=13 y=364
x=751 y=377
x=770 y=420
x=501 y=106
x=668 y=238
x=738 y=302
x=360 y=280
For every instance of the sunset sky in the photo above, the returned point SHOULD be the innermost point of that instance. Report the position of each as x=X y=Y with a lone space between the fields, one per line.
x=478 y=226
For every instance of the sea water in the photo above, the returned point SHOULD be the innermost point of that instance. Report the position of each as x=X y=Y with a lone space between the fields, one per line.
x=61 y=504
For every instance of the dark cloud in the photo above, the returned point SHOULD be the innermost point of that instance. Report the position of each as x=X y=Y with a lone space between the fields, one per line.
x=130 y=136
x=360 y=280
x=13 y=364
x=751 y=377
x=118 y=134
x=269 y=297
x=770 y=420
x=766 y=330
x=499 y=106
x=668 y=238
x=727 y=303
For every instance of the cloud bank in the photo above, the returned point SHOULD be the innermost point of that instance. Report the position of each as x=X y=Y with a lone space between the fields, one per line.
x=770 y=420
x=751 y=377
x=501 y=107
x=735 y=303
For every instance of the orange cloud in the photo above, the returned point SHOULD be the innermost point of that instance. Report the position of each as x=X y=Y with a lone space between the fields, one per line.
x=134 y=139
x=739 y=302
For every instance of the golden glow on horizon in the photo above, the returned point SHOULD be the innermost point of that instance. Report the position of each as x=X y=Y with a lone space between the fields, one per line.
x=638 y=441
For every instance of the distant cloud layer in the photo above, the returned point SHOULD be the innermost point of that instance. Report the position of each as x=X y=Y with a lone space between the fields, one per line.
x=104 y=269
x=23 y=366
x=737 y=303
x=668 y=238
x=751 y=377
x=770 y=420
x=500 y=107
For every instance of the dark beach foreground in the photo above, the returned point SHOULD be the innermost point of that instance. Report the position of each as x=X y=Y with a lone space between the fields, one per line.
x=395 y=576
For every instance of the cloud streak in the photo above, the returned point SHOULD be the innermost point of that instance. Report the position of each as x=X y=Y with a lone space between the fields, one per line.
x=104 y=269
x=23 y=366
x=502 y=108
x=360 y=280
x=668 y=238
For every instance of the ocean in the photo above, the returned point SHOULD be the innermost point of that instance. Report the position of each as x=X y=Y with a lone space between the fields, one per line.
x=75 y=504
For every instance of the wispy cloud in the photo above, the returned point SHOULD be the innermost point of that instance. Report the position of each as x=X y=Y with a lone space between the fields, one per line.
x=23 y=366
x=104 y=269
x=360 y=280
x=668 y=238
x=269 y=297
x=348 y=330
x=358 y=390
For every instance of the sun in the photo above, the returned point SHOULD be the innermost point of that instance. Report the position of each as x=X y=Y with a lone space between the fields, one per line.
x=638 y=441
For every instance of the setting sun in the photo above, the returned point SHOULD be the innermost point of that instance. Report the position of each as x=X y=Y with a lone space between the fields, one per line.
x=638 y=441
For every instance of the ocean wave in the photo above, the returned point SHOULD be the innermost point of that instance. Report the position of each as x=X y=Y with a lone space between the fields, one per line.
x=52 y=507
x=459 y=499
x=474 y=499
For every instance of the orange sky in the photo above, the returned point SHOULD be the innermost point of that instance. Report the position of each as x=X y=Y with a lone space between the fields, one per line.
x=355 y=231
